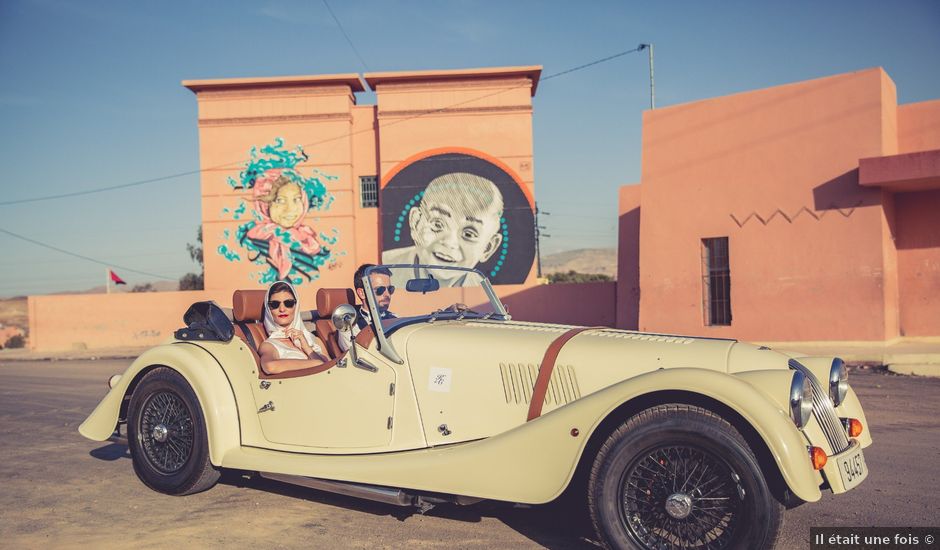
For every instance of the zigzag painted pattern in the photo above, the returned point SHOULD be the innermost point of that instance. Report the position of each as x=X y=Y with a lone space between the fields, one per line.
x=792 y=217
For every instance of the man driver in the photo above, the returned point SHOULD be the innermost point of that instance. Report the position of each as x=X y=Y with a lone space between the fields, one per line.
x=381 y=281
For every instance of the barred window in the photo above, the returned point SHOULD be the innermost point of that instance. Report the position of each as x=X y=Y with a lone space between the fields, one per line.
x=369 y=191
x=716 y=281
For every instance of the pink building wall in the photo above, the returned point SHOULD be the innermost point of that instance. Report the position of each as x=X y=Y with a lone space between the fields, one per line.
x=628 y=258
x=101 y=321
x=813 y=255
x=918 y=229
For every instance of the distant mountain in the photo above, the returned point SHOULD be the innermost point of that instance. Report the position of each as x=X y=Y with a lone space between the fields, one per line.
x=13 y=313
x=159 y=286
x=583 y=260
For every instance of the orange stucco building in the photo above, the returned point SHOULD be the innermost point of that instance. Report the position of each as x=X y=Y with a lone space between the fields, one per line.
x=301 y=182
x=361 y=169
x=802 y=212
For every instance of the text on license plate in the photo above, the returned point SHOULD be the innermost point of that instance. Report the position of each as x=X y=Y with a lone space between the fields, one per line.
x=852 y=469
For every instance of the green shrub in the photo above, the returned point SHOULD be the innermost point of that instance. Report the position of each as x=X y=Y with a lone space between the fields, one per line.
x=575 y=277
x=15 y=341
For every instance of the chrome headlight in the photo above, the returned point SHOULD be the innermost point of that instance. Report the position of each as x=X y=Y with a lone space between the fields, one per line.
x=801 y=399
x=838 y=381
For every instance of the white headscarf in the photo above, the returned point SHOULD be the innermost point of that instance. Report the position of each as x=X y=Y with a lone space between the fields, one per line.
x=277 y=331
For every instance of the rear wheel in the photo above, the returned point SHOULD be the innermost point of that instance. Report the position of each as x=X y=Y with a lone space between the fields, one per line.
x=678 y=476
x=166 y=433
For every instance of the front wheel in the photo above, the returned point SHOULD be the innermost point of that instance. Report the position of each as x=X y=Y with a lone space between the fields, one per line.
x=166 y=433
x=679 y=476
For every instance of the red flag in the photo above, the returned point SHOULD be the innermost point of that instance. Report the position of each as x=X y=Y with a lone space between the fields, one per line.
x=117 y=280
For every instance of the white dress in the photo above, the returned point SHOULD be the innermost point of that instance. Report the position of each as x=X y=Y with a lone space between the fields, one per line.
x=286 y=351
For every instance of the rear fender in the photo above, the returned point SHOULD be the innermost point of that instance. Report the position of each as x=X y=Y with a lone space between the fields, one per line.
x=204 y=375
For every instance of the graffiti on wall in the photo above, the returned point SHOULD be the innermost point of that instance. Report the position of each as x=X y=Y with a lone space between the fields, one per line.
x=458 y=209
x=276 y=236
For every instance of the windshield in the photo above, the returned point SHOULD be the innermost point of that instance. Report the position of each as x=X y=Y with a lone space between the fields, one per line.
x=409 y=291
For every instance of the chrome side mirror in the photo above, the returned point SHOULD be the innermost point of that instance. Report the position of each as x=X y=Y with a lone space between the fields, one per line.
x=343 y=317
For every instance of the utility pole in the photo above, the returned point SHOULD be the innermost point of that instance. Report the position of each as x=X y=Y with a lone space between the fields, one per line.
x=649 y=47
x=538 y=235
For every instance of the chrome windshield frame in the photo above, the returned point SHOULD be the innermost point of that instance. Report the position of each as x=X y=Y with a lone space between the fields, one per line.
x=385 y=347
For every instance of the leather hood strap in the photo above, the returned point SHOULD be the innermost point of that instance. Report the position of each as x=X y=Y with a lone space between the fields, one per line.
x=546 y=368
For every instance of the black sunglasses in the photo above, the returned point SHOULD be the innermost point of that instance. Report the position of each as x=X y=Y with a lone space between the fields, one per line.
x=380 y=290
x=274 y=304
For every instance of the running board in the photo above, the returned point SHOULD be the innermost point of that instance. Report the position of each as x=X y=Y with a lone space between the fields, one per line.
x=378 y=493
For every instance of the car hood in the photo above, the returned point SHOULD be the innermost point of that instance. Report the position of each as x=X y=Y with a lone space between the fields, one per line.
x=594 y=359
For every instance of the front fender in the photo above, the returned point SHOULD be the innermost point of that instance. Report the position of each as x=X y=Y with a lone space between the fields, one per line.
x=204 y=375
x=756 y=396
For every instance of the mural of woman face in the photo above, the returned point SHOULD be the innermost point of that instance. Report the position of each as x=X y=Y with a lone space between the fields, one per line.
x=288 y=205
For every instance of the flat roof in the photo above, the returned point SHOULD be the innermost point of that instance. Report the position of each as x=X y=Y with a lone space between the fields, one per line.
x=532 y=71
x=918 y=171
x=352 y=80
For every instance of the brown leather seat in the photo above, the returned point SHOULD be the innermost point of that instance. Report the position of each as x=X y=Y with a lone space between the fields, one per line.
x=248 y=311
x=328 y=299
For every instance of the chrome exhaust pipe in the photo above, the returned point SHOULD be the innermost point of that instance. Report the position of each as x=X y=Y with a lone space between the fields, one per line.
x=377 y=493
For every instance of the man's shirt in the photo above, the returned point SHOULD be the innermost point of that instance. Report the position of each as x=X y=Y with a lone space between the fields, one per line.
x=362 y=321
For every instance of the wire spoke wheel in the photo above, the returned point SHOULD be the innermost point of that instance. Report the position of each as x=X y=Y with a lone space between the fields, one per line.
x=167 y=436
x=680 y=497
x=677 y=476
x=166 y=432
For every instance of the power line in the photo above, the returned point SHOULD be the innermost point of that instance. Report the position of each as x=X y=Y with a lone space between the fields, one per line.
x=106 y=264
x=340 y=25
x=101 y=189
x=592 y=63
x=315 y=143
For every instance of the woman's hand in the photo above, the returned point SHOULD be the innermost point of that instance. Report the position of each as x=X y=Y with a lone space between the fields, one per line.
x=297 y=337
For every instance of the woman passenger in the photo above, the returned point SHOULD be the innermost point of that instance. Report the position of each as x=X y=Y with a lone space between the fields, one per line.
x=289 y=346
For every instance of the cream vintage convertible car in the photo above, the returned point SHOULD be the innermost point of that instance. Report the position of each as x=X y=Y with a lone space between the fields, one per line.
x=672 y=441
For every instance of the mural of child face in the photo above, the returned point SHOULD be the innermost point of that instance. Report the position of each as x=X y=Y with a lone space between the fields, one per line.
x=448 y=232
x=288 y=205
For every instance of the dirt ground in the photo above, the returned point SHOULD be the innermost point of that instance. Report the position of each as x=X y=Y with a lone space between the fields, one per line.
x=60 y=490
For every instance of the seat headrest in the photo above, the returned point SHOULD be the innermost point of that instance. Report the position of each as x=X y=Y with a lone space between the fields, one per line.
x=248 y=305
x=329 y=299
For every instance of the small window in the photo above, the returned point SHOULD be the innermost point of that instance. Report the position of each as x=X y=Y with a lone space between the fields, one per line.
x=369 y=191
x=716 y=281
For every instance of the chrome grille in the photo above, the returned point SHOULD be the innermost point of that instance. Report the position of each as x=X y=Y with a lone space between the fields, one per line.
x=824 y=411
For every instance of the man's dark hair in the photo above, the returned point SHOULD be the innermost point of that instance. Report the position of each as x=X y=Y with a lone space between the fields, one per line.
x=361 y=272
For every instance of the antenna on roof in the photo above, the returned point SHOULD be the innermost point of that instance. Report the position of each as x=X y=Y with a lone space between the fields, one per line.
x=640 y=48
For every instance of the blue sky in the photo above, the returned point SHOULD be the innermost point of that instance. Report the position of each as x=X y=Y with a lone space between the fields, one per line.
x=91 y=97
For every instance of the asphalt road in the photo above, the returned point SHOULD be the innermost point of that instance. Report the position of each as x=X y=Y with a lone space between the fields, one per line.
x=58 y=489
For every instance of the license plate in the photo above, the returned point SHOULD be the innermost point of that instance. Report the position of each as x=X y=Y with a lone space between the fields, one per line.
x=852 y=468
